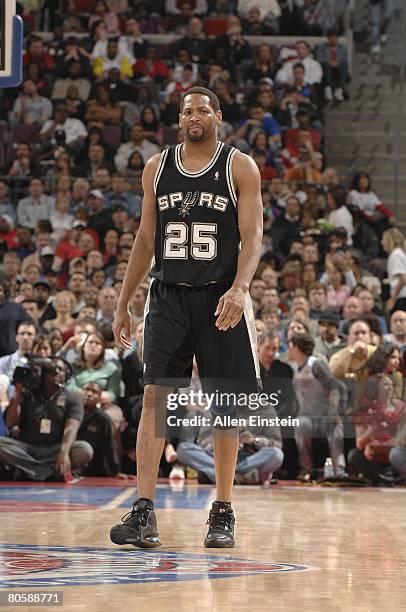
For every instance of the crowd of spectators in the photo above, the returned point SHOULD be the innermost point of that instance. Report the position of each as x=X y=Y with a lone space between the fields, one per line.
x=98 y=99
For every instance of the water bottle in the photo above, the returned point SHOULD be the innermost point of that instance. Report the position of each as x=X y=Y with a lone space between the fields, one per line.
x=328 y=468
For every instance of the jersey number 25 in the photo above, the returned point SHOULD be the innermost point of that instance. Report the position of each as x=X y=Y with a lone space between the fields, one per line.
x=203 y=243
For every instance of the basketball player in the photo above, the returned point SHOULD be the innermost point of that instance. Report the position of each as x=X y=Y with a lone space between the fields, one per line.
x=202 y=199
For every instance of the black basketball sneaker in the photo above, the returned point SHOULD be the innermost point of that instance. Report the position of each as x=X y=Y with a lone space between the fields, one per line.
x=221 y=523
x=139 y=527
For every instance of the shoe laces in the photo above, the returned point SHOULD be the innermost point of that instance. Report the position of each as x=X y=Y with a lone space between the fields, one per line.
x=137 y=516
x=221 y=519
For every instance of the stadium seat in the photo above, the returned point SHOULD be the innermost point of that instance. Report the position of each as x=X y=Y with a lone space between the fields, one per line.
x=171 y=135
x=112 y=135
x=214 y=27
x=25 y=133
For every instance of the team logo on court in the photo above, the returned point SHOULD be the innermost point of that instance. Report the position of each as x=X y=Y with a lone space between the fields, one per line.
x=188 y=202
x=23 y=566
x=216 y=175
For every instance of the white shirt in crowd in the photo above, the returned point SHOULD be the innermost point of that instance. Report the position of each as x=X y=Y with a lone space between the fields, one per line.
x=367 y=202
x=313 y=71
x=147 y=149
x=396 y=265
x=341 y=217
x=264 y=7
x=73 y=128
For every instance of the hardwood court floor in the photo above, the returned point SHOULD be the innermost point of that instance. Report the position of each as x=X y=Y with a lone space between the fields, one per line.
x=354 y=542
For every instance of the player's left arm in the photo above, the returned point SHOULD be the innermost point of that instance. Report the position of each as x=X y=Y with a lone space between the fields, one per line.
x=247 y=181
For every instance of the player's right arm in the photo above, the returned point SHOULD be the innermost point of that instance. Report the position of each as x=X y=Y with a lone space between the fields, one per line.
x=140 y=258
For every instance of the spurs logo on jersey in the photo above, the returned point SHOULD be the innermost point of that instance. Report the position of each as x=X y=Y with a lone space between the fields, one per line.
x=194 y=244
x=185 y=202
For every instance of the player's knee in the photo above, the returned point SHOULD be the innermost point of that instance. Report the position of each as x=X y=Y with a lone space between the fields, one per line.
x=155 y=397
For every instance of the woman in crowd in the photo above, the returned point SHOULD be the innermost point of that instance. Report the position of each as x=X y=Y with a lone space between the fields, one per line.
x=102 y=12
x=64 y=304
x=263 y=65
x=61 y=167
x=92 y=367
x=42 y=346
x=309 y=274
x=31 y=273
x=385 y=361
x=151 y=125
x=261 y=144
x=393 y=243
x=377 y=423
x=98 y=278
x=379 y=216
x=337 y=288
x=134 y=170
x=56 y=340
x=94 y=261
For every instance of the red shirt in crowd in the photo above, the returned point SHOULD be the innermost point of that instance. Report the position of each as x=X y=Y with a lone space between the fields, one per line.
x=156 y=68
x=45 y=61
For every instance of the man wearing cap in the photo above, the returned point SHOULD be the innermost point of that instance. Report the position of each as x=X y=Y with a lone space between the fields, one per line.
x=100 y=217
x=46 y=257
x=328 y=341
x=42 y=293
x=42 y=239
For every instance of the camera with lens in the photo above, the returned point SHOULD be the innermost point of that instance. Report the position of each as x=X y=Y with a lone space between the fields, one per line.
x=31 y=375
x=60 y=138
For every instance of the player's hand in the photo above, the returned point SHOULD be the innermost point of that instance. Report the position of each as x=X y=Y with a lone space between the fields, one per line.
x=230 y=309
x=122 y=327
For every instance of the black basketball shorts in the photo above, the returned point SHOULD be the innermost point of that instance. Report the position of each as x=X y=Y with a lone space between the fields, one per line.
x=180 y=323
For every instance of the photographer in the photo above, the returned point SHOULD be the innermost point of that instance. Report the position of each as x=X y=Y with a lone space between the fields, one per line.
x=47 y=417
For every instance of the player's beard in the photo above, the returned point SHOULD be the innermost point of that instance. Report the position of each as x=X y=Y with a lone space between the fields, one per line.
x=198 y=136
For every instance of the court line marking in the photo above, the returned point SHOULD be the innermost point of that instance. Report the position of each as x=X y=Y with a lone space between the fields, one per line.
x=119 y=499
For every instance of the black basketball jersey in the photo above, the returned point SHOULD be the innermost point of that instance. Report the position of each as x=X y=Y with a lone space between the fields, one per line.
x=197 y=237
